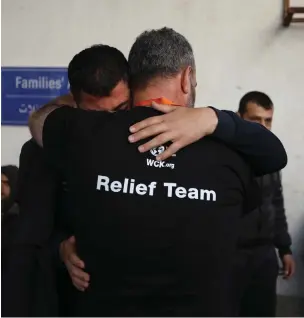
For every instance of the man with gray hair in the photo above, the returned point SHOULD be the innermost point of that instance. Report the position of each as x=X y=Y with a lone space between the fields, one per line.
x=150 y=62
x=144 y=226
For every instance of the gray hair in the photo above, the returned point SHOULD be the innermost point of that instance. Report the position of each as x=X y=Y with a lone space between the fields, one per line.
x=158 y=53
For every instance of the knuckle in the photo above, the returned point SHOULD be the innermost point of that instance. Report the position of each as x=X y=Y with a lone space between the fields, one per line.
x=71 y=258
x=176 y=146
x=142 y=134
x=75 y=272
x=149 y=145
x=164 y=126
x=157 y=141
x=83 y=276
x=154 y=120
x=140 y=125
x=165 y=155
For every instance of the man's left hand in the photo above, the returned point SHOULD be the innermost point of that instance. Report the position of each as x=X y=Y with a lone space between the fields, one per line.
x=288 y=265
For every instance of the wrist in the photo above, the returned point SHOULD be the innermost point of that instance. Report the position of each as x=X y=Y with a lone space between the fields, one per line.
x=210 y=113
x=284 y=251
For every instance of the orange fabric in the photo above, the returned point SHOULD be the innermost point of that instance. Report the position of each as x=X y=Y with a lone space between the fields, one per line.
x=160 y=100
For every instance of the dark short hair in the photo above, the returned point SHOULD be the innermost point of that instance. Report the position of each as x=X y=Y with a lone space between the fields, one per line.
x=162 y=52
x=97 y=70
x=256 y=97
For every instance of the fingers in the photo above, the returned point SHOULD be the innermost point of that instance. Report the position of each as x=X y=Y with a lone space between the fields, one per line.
x=170 y=151
x=78 y=273
x=75 y=260
x=163 y=108
x=68 y=252
x=80 y=284
x=79 y=278
x=290 y=270
x=146 y=123
x=289 y=266
x=153 y=120
x=148 y=132
x=155 y=142
x=286 y=274
x=72 y=239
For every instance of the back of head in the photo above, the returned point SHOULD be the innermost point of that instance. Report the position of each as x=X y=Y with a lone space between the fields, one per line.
x=161 y=53
x=256 y=97
x=96 y=71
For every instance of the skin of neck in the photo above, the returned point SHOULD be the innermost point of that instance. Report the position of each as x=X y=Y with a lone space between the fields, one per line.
x=160 y=87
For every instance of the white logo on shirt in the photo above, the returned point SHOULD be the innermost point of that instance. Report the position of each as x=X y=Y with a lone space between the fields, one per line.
x=159 y=164
x=157 y=151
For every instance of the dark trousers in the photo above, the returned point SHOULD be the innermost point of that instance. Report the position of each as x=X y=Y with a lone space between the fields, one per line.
x=256 y=273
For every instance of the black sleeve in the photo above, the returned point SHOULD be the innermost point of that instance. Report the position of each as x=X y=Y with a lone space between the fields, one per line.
x=67 y=125
x=282 y=239
x=252 y=191
x=55 y=136
x=258 y=146
x=38 y=190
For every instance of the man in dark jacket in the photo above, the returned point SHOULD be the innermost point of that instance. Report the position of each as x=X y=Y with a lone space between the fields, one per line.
x=264 y=230
x=27 y=277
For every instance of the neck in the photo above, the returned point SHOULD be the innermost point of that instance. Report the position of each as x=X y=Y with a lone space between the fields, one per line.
x=165 y=88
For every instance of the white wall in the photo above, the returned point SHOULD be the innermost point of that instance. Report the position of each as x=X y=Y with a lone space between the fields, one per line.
x=239 y=46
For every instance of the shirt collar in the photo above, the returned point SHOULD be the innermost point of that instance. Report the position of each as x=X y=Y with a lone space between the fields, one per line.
x=160 y=100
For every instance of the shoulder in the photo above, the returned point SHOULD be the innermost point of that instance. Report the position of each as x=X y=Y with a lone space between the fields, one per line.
x=222 y=152
x=32 y=161
x=30 y=146
x=138 y=113
x=29 y=151
x=220 y=156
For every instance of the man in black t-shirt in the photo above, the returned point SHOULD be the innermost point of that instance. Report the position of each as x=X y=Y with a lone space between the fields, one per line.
x=261 y=149
x=144 y=230
x=157 y=237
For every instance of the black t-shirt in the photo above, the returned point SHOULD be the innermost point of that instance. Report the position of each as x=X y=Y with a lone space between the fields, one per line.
x=157 y=238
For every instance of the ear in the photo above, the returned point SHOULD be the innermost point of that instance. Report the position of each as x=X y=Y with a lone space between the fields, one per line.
x=186 y=80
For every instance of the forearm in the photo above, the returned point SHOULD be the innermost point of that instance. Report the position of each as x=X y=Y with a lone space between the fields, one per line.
x=260 y=148
x=66 y=100
x=282 y=239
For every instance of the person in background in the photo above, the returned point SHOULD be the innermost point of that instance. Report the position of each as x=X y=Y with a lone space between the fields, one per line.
x=9 y=207
x=9 y=217
x=267 y=229
x=9 y=177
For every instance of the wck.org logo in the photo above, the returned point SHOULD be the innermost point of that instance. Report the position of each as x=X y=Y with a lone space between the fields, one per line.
x=159 y=164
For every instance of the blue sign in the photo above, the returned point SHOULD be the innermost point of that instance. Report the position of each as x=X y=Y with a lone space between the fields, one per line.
x=25 y=89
